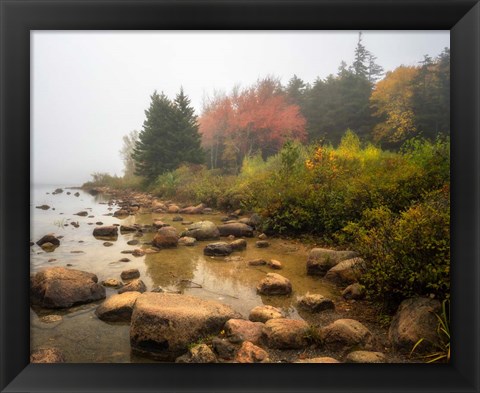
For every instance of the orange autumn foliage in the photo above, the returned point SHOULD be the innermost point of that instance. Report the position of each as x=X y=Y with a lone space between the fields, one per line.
x=392 y=100
x=258 y=118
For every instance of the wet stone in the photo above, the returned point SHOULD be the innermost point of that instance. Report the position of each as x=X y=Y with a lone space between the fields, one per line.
x=136 y=285
x=262 y=244
x=130 y=274
x=264 y=313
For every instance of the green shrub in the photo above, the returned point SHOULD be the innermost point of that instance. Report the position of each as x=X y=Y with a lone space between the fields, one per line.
x=407 y=254
x=100 y=179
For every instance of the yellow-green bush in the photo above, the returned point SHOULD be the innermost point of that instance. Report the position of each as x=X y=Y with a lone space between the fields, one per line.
x=407 y=254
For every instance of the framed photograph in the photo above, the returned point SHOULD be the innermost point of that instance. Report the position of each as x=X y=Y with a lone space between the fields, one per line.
x=220 y=195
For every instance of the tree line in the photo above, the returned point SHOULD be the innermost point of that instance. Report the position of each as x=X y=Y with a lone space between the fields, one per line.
x=385 y=109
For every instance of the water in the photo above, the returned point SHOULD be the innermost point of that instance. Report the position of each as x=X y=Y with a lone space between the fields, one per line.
x=83 y=337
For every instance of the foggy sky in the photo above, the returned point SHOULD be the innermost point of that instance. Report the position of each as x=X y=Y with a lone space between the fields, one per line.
x=91 y=88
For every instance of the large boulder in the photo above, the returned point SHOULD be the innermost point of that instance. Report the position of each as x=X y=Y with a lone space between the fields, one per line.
x=166 y=237
x=106 y=232
x=218 y=249
x=284 y=333
x=238 y=330
x=346 y=272
x=59 y=287
x=345 y=334
x=274 y=284
x=164 y=325
x=321 y=260
x=236 y=229
x=203 y=230
x=415 y=319
x=117 y=308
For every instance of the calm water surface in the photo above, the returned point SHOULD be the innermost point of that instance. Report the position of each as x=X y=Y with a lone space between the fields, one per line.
x=82 y=336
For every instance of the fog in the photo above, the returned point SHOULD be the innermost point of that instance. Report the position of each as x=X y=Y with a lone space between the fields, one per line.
x=91 y=88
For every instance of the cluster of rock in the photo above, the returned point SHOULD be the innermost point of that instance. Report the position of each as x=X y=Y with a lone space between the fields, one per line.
x=163 y=326
x=343 y=268
x=184 y=328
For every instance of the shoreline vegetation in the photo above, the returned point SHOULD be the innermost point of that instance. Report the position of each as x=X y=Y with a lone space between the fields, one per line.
x=355 y=166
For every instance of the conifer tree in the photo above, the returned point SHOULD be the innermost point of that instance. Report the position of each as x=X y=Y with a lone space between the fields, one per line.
x=188 y=136
x=169 y=137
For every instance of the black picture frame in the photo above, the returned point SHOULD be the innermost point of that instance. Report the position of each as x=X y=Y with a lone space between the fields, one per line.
x=18 y=17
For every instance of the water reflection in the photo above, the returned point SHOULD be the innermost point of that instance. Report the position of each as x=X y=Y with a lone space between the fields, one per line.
x=84 y=338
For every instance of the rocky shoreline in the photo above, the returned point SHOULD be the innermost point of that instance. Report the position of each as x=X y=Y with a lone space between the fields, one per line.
x=167 y=326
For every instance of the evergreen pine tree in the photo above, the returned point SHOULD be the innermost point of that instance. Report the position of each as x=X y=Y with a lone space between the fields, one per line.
x=360 y=64
x=295 y=90
x=169 y=137
x=188 y=138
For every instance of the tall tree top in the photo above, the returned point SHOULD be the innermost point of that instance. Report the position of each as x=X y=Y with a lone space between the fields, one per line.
x=360 y=67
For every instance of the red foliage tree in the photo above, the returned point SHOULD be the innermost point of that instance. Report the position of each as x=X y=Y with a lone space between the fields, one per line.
x=258 y=118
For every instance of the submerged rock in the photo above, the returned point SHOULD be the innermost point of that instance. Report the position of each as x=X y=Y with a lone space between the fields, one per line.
x=59 y=287
x=257 y=262
x=164 y=324
x=274 y=284
x=48 y=247
x=49 y=239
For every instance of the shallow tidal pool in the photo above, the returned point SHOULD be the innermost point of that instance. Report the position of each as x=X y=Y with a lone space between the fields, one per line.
x=82 y=337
